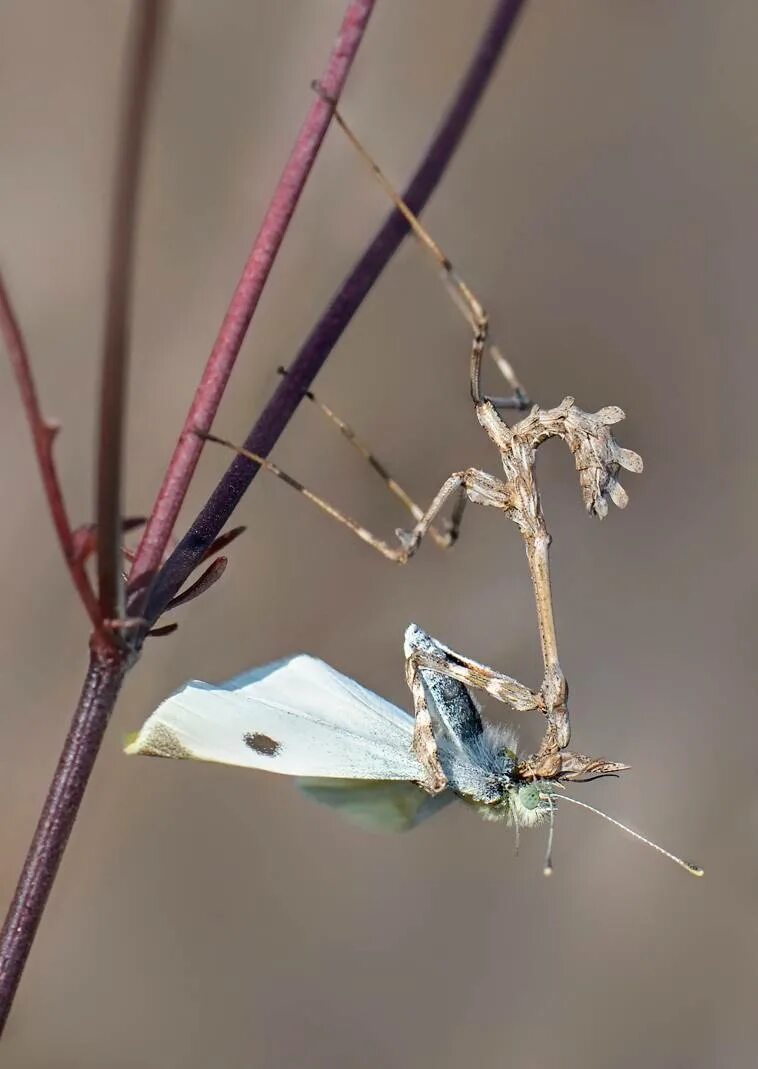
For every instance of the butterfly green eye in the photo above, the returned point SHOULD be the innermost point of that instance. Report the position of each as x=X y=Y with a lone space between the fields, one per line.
x=529 y=796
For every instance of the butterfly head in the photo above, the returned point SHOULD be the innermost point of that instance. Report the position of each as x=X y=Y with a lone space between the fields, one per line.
x=529 y=803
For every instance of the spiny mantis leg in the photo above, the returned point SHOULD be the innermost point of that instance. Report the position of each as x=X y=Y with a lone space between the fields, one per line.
x=424 y=742
x=554 y=690
x=471 y=483
x=448 y=536
x=425 y=659
x=444 y=539
x=462 y=295
x=429 y=653
x=528 y=516
x=429 y=664
x=474 y=313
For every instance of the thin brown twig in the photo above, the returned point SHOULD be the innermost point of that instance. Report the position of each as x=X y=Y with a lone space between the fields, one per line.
x=43 y=436
x=246 y=295
x=141 y=62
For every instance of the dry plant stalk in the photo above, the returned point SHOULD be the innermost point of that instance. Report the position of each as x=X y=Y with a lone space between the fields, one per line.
x=123 y=614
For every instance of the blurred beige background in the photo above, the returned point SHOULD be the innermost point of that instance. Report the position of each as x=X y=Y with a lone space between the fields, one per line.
x=603 y=207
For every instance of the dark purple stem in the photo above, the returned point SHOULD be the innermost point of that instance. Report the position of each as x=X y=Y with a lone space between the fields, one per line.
x=246 y=295
x=324 y=336
x=101 y=686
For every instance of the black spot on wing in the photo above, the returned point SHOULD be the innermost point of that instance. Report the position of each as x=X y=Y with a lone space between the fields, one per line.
x=261 y=744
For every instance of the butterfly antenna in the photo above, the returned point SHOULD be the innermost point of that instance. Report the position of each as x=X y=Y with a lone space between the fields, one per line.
x=688 y=866
x=548 y=867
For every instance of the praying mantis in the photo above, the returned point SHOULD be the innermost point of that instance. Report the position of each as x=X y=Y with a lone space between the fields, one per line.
x=598 y=458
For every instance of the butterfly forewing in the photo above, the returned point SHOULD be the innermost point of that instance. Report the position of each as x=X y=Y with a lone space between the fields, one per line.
x=297 y=717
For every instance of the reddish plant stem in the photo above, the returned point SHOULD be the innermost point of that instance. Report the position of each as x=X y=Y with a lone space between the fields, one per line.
x=292 y=387
x=108 y=663
x=43 y=436
x=141 y=61
x=246 y=295
x=101 y=686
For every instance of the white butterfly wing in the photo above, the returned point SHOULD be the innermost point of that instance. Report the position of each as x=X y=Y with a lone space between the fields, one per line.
x=299 y=717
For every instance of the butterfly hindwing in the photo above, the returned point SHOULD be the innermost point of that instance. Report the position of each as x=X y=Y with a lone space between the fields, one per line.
x=375 y=805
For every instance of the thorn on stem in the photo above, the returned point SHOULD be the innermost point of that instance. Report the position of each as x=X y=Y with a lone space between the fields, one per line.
x=223 y=540
x=84 y=538
x=319 y=90
x=204 y=582
x=125 y=623
x=283 y=371
x=131 y=523
x=141 y=583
